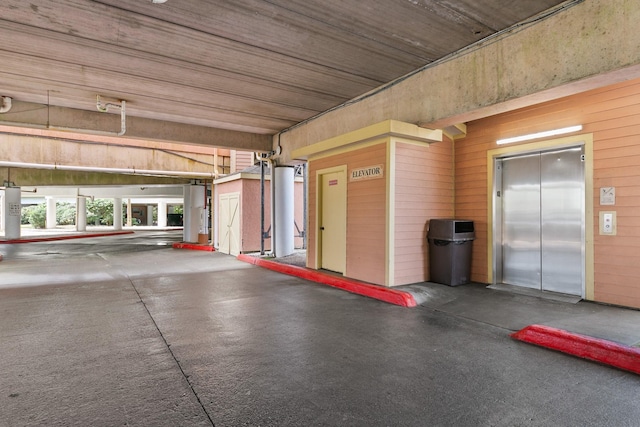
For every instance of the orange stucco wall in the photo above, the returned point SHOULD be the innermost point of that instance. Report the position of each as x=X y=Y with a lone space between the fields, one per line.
x=612 y=116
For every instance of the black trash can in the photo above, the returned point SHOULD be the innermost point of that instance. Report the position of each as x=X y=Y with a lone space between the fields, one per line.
x=450 y=242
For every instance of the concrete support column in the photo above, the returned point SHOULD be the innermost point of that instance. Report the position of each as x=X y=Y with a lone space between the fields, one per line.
x=129 y=213
x=81 y=214
x=149 y=215
x=12 y=208
x=162 y=214
x=51 y=220
x=2 y=210
x=193 y=207
x=215 y=205
x=283 y=222
x=117 y=213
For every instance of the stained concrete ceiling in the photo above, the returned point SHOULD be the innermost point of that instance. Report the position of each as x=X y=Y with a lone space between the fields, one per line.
x=257 y=66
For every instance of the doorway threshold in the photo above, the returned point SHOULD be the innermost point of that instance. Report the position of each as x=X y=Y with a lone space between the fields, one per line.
x=554 y=296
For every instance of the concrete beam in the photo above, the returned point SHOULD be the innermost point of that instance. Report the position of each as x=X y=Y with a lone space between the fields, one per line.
x=41 y=116
x=41 y=153
x=589 y=45
x=106 y=192
x=42 y=177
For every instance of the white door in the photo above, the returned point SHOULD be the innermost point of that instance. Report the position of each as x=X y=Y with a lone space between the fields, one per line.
x=333 y=221
x=229 y=220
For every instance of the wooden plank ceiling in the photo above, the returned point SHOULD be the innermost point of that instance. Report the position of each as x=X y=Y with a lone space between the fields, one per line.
x=257 y=66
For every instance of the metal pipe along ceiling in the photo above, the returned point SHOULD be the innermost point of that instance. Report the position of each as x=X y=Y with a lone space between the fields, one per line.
x=128 y=171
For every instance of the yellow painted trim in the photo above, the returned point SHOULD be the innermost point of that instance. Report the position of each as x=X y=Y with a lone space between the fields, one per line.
x=390 y=270
x=387 y=128
x=587 y=141
x=245 y=175
x=589 y=259
x=410 y=142
x=348 y=149
x=318 y=246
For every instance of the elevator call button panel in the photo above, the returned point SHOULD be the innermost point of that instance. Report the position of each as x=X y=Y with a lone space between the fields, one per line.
x=608 y=223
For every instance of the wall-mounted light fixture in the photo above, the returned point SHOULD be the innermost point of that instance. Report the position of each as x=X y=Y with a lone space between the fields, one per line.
x=538 y=135
x=158 y=1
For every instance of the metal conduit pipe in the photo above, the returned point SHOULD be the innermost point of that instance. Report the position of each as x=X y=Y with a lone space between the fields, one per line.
x=123 y=115
x=5 y=105
x=262 y=207
x=128 y=171
x=272 y=185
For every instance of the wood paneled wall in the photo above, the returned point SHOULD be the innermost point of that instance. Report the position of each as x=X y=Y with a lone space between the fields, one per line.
x=366 y=214
x=612 y=115
x=423 y=190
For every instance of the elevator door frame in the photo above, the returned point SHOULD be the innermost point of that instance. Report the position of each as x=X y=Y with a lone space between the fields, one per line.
x=494 y=215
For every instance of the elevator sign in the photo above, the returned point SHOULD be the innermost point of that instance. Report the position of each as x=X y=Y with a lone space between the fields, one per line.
x=369 y=172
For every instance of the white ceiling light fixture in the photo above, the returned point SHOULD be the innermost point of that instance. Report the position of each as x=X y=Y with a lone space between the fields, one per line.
x=158 y=1
x=538 y=135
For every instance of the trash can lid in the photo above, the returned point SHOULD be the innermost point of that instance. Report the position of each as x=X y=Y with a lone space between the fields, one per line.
x=451 y=229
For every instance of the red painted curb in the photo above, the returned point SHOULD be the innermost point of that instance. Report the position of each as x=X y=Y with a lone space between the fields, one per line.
x=193 y=246
x=598 y=350
x=392 y=296
x=55 y=238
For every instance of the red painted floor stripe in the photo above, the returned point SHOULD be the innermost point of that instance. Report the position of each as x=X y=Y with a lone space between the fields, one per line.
x=63 y=237
x=392 y=296
x=193 y=246
x=598 y=350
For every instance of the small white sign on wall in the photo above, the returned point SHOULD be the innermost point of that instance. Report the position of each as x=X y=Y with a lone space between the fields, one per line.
x=607 y=196
x=369 y=172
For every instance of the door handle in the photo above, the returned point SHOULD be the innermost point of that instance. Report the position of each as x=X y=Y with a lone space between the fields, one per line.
x=321 y=228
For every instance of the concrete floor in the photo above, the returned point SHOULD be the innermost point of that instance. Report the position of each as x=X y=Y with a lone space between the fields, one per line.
x=124 y=330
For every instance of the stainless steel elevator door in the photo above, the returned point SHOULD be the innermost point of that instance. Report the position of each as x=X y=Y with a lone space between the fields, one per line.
x=562 y=201
x=543 y=221
x=521 y=221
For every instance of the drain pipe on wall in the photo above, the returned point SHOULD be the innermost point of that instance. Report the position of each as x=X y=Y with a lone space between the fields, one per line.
x=272 y=182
